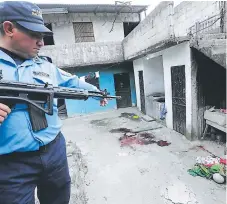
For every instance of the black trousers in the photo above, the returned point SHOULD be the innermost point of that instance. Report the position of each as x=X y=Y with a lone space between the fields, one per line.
x=46 y=169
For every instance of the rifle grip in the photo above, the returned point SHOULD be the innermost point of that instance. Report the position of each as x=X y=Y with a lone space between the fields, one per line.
x=37 y=118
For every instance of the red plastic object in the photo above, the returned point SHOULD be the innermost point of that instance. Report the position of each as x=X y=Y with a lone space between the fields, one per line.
x=223 y=161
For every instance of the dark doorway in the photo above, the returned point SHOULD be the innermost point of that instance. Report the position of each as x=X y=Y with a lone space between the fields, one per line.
x=142 y=96
x=128 y=27
x=48 y=39
x=62 y=111
x=122 y=88
x=179 y=98
x=211 y=88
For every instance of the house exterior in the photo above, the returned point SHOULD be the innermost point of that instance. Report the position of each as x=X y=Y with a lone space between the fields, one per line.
x=173 y=63
x=87 y=41
x=180 y=64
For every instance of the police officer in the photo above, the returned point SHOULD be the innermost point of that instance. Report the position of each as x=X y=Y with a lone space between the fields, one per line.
x=30 y=159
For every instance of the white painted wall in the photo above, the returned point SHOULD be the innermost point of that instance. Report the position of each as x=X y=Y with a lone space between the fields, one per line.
x=62 y=25
x=63 y=33
x=102 y=31
x=153 y=82
x=154 y=75
x=174 y=56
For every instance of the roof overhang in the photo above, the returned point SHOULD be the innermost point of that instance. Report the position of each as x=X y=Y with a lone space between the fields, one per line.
x=91 y=8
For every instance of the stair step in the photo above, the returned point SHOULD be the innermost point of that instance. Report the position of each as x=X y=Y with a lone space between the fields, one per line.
x=216 y=50
x=212 y=36
x=211 y=43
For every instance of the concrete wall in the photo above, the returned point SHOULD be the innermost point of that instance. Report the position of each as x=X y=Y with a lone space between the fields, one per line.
x=154 y=75
x=187 y=13
x=63 y=33
x=174 y=56
x=153 y=81
x=106 y=81
x=102 y=31
x=156 y=28
x=82 y=54
x=102 y=23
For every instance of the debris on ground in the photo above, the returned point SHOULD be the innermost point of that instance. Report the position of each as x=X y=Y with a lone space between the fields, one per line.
x=120 y=130
x=211 y=168
x=148 y=118
x=102 y=122
x=145 y=129
x=131 y=116
x=125 y=130
x=207 y=161
x=146 y=135
x=163 y=143
x=218 y=178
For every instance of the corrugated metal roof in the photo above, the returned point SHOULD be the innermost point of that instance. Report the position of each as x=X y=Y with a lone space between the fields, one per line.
x=96 y=8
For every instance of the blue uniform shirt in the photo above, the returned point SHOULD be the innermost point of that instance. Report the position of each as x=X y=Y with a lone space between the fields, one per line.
x=16 y=132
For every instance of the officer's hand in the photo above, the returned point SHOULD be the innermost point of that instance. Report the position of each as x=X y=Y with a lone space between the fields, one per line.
x=103 y=102
x=4 y=111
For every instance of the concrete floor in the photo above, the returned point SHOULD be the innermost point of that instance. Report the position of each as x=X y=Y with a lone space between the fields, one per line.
x=146 y=174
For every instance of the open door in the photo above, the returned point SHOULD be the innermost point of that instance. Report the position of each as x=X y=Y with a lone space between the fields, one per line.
x=122 y=88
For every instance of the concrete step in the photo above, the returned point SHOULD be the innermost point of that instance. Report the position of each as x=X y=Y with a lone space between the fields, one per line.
x=212 y=36
x=216 y=50
x=212 y=43
x=215 y=53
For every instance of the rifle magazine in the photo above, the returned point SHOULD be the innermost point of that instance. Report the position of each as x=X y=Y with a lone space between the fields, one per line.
x=37 y=118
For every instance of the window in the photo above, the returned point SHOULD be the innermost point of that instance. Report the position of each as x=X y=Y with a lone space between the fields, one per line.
x=83 y=32
x=128 y=27
x=48 y=40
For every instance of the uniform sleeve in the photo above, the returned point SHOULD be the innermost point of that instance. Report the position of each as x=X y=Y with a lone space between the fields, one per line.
x=66 y=79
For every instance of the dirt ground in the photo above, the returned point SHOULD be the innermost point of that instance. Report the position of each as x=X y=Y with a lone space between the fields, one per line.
x=104 y=172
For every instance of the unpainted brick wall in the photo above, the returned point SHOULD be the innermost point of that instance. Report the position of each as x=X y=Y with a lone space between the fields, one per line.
x=153 y=29
x=187 y=13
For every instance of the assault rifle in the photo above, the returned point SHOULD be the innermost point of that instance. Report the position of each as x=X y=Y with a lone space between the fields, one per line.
x=39 y=98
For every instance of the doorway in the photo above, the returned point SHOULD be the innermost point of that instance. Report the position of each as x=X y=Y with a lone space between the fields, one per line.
x=179 y=98
x=123 y=89
x=142 y=96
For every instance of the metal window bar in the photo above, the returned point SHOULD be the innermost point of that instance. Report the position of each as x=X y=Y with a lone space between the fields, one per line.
x=84 y=32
